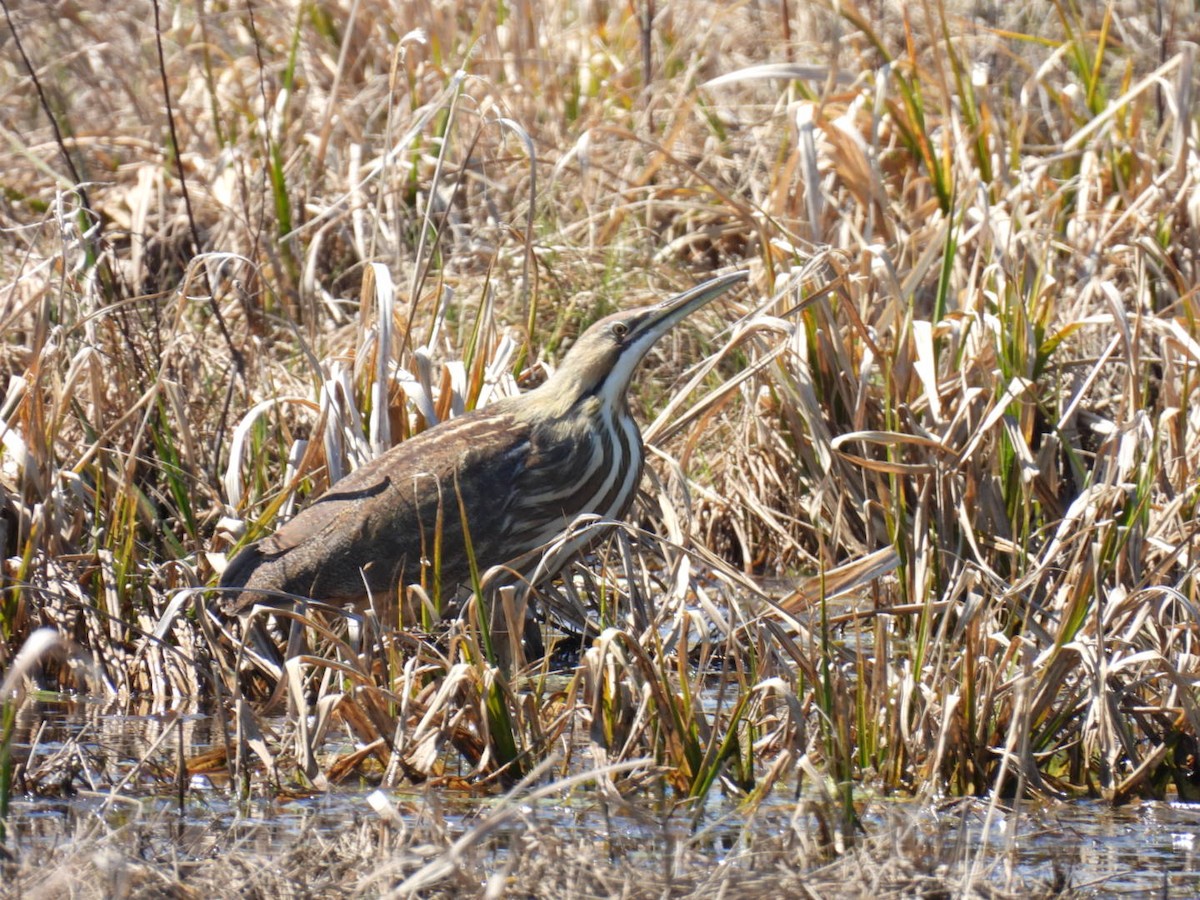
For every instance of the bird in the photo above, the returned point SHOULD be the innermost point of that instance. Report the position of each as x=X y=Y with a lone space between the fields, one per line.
x=487 y=487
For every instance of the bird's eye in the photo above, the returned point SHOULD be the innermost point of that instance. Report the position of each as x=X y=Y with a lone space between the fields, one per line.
x=620 y=329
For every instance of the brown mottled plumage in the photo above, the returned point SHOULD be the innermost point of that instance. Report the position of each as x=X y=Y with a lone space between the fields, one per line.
x=522 y=468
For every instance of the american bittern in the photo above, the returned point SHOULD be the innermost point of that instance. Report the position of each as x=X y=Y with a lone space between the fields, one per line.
x=521 y=470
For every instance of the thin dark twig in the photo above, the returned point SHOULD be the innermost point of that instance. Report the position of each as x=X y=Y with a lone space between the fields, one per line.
x=37 y=84
x=45 y=104
x=239 y=363
x=178 y=154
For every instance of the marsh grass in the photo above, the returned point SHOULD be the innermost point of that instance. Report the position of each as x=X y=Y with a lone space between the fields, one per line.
x=955 y=413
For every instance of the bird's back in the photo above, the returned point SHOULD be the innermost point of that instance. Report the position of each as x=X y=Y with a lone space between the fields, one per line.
x=520 y=478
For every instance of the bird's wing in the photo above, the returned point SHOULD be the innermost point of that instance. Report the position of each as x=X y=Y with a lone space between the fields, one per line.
x=377 y=525
x=389 y=490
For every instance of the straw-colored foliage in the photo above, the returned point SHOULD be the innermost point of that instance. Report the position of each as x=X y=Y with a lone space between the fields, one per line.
x=952 y=425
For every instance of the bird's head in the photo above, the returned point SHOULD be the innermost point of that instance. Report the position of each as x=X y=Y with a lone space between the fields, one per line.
x=603 y=359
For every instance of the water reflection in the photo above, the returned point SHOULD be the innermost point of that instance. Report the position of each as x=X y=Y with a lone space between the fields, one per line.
x=1140 y=848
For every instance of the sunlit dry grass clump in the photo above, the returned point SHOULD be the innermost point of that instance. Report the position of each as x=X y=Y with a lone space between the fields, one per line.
x=922 y=501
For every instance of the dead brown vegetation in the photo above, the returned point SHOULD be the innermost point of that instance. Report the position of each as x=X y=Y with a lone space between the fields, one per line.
x=956 y=413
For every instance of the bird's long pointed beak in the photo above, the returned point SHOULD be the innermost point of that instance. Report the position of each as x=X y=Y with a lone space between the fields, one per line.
x=676 y=308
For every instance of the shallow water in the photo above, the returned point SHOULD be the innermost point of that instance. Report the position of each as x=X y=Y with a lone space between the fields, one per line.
x=1135 y=850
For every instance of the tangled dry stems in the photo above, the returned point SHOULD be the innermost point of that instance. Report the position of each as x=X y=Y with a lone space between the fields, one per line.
x=969 y=357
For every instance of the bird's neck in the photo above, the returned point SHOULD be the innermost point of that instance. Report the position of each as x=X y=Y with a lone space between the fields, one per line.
x=565 y=394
